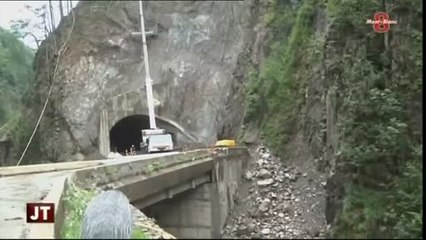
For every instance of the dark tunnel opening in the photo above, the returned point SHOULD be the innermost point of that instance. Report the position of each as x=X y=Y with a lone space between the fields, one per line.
x=127 y=132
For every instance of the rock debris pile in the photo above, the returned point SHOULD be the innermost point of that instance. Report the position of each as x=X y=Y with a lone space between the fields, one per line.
x=277 y=201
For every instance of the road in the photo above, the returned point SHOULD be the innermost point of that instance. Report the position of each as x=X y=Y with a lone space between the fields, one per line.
x=16 y=191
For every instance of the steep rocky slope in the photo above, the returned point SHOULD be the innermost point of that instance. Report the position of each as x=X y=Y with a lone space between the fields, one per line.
x=194 y=63
x=333 y=92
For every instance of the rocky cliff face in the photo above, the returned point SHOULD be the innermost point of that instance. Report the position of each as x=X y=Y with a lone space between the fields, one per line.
x=330 y=91
x=194 y=63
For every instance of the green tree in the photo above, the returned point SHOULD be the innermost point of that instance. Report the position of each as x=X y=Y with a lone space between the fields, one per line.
x=16 y=74
x=23 y=28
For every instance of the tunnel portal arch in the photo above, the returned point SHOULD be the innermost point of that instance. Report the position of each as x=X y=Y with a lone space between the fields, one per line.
x=127 y=112
x=128 y=132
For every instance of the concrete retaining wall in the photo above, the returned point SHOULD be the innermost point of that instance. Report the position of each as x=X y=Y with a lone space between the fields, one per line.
x=227 y=174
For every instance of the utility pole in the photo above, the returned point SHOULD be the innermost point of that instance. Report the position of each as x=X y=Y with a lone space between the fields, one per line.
x=148 y=80
x=153 y=139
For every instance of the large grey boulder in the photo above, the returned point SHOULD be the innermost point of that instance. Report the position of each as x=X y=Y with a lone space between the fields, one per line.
x=108 y=216
x=195 y=62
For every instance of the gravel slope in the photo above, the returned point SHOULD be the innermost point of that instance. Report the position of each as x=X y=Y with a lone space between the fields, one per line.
x=278 y=201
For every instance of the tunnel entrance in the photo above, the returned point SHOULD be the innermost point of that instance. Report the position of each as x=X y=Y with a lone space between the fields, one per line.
x=127 y=132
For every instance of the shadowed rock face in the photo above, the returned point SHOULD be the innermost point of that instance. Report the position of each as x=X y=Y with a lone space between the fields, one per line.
x=108 y=216
x=5 y=153
x=194 y=63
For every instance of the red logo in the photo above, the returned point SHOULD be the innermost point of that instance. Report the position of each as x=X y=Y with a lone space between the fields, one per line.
x=40 y=212
x=381 y=22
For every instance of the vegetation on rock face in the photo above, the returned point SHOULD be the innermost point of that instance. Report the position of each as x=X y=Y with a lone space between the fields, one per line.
x=273 y=96
x=380 y=87
x=16 y=81
x=377 y=79
x=16 y=74
x=76 y=200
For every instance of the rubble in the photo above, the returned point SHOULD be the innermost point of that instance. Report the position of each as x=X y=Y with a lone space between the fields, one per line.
x=265 y=182
x=263 y=173
x=280 y=202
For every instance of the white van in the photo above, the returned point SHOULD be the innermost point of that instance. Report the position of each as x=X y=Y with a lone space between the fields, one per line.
x=160 y=143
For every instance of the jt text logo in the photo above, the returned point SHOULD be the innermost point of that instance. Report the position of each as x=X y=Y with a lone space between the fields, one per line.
x=381 y=22
x=40 y=212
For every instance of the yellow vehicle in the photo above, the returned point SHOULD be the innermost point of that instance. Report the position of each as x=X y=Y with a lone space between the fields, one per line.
x=225 y=143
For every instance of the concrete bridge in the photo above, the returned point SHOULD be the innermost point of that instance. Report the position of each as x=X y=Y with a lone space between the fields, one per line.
x=189 y=194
